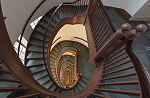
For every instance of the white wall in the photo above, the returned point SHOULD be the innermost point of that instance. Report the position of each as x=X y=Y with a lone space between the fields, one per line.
x=131 y=6
x=18 y=11
x=143 y=13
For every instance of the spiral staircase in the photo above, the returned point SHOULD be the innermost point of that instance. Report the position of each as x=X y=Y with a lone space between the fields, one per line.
x=107 y=68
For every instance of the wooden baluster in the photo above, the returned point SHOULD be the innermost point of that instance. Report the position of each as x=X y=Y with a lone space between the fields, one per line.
x=124 y=57
x=99 y=27
x=74 y=9
x=105 y=39
x=82 y=6
x=120 y=76
x=92 y=9
x=119 y=70
x=95 y=16
x=116 y=53
x=60 y=15
x=114 y=38
x=99 y=20
x=103 y=33
x=115 y=57
x=122 y=63
x=125 y=92
x=78 y=7
x=62 y=10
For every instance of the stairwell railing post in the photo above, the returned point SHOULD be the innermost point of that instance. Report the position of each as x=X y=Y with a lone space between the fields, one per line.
x=143 y=75
x=88 y=9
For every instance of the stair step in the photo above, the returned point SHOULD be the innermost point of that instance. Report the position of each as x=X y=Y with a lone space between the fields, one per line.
x=9 y=80
x=43 y=77
x=34 y=65
x=35 y=44
x=46 y=82
x=29 y=96
x=116 y=53
x=33 y=58
x=39 y=75
x=41 y=33
x=11 y=89
x=116 y=61
x=39 y=71
x=35 y=51
x=115 y=57
x=39 y=39
x=122 y=69
x=45 y=20
x=125 y=92
x=120 y=76
x=134 y=82
x=42 y=26
x=125 y=62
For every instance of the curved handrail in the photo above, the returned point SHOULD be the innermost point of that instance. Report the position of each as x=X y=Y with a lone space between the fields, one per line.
x=47 y=29
x=37 y=25
x=57 y=61
x=76 y=82
x=27 y=22
x=9 y=57
x=143 y=75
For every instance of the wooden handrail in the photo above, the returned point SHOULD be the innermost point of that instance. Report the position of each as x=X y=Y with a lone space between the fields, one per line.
x=120 y=33
x=10 y=58
x=57 y=61
x=74 y=20
x=27 y=22
x=88 y=9
x=143 y=75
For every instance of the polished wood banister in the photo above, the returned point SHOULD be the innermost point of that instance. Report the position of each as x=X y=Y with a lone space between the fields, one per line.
x=143 y=75
x=74 y=20
x=108 y=19
x=9 y=80
x=27 y=22
x=91 y=44
x=126 y=92
x=13 y=63
x=115 y=37
x=10 y=58
x=88 y=9
x=55 y=12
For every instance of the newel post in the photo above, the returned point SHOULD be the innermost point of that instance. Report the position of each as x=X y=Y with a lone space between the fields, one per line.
x=143 y=75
